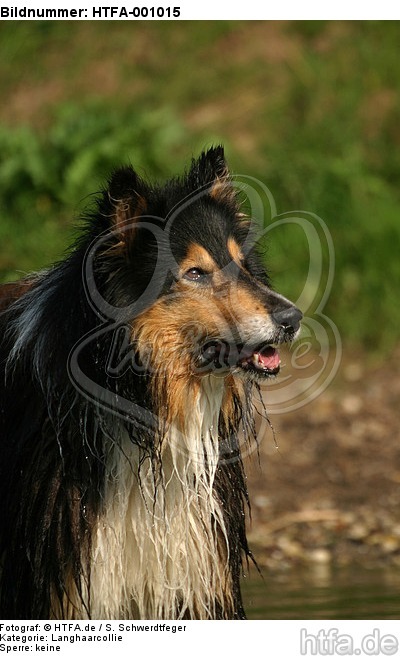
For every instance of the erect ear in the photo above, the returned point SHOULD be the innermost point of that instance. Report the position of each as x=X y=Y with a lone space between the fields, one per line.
x=211 y=169
x=127 y=196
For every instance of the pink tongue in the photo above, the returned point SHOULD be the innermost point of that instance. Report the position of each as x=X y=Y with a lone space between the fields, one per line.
x=269 y=359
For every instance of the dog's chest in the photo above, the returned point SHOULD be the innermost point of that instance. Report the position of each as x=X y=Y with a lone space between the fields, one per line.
x=160 y=546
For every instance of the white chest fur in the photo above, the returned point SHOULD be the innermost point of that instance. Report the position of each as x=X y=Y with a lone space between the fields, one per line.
x=160 y=547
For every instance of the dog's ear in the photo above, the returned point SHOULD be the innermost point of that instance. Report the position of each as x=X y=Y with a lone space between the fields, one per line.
x=127 y=196
x=212 y=170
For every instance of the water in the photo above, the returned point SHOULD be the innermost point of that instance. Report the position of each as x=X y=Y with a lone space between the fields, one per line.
x=323 y=593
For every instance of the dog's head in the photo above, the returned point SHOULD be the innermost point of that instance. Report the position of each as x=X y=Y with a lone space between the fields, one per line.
x=187 y=256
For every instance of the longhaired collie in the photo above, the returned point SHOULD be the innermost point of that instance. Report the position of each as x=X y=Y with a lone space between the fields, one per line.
x=126 y=378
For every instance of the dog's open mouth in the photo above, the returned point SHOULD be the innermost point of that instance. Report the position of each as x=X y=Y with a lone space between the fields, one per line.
x=266 y=361
x=263 y=360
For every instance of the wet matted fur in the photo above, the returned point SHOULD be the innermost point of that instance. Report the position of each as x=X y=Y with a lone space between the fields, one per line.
x=126 y=383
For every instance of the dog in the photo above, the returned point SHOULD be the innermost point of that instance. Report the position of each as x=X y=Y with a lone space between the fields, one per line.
x=127 y=373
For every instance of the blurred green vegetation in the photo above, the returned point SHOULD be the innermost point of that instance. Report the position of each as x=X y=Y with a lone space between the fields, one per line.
x=45 y=176
x=310 y=108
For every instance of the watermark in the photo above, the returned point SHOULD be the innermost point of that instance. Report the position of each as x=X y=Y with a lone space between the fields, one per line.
x=327 y=642
x=312 y=360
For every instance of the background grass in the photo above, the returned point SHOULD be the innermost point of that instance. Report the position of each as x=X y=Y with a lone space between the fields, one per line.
x=310 y=108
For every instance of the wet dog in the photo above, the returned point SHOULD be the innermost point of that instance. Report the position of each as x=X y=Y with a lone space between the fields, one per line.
x=126 y=383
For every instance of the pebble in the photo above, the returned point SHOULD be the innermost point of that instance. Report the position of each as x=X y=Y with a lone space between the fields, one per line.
x=320 y=556
x=352 y=404
x=390 y=543
x=261 y=501
x=362 y=538
x=291 y=548
x=358 y=532
x=353 y=372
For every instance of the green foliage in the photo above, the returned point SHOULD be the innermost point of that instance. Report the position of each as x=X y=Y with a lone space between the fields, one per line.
x=361 y=210
x=335 y=152
x=312 y=109
x=61 y=164
x=45 y=175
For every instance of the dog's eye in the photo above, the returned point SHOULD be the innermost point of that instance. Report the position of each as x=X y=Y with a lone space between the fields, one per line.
x=194 y=274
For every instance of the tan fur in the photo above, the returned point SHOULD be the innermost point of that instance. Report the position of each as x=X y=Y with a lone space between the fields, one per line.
x=223 y=190
x=127 y=213
x=235 y=251
x=160 y=546
x=196 y=315
x=198 y=257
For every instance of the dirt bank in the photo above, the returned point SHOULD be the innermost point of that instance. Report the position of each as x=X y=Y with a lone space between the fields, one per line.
x=330 y=492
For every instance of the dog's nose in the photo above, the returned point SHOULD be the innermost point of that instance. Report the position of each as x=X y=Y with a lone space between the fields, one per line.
x=288 y=319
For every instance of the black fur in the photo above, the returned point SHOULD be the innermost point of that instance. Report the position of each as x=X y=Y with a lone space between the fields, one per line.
x=53 y=439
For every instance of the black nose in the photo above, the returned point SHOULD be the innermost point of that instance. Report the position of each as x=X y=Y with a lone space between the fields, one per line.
x=289 y=319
